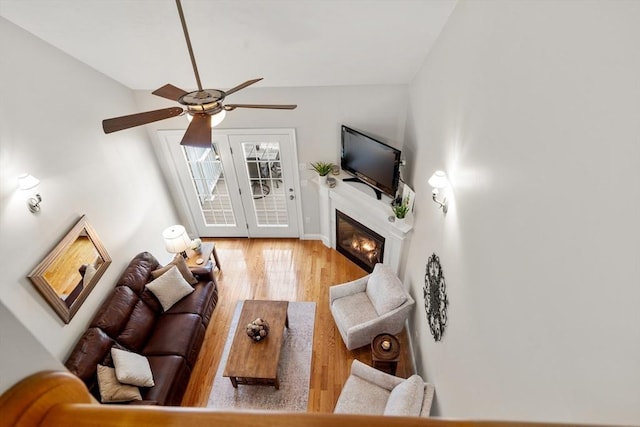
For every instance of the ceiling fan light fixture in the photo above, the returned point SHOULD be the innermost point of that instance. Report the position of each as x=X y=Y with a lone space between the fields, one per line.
x=216 y=118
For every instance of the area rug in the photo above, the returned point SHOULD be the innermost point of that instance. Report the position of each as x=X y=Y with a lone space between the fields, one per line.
x=294 y=369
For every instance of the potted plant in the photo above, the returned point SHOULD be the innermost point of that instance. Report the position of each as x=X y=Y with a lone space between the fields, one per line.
x=400 y=210
x=322 y=168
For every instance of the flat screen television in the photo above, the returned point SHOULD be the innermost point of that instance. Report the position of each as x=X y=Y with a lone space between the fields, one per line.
x=370 y=161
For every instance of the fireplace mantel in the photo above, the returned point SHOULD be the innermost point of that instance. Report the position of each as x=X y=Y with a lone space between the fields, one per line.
x=358 y=201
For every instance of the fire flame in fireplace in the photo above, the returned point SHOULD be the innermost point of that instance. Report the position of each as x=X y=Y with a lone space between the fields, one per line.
x=365 y=247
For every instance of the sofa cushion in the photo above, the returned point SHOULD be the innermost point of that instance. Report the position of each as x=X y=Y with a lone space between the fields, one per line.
x=171 y=377
x=112 y=390
x=170 y=288
x=179 y=262
x=177 y=334
x=385 y=290
x=405 y=399
x=200 y=302
x=90 y=350
x=115 y=311
x=139 y=327
x=137 y=273
x=132 y=368
x=359 y=396
x=353 y=310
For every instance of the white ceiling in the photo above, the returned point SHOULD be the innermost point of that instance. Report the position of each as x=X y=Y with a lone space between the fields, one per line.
x=288 y=42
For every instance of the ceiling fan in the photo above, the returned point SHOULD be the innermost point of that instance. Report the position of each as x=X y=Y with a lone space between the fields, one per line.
x=203 y=105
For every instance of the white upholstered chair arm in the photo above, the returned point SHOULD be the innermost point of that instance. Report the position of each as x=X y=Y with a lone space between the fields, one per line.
x=374 y=376
x=427 y=400
x=397 y=316
x=349 y=288
x=391 y=322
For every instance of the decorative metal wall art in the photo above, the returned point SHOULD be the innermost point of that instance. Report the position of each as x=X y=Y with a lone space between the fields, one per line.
x=435 y=297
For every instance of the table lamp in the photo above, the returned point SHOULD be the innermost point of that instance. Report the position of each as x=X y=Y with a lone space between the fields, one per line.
x=176 y=240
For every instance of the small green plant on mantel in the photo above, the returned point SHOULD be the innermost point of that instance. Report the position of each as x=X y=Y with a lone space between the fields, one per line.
x=401 y=210
x=322 y=168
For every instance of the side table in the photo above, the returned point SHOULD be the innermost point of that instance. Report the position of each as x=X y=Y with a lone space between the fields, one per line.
x=385 y=360
x=207 y=251
x=208 y=258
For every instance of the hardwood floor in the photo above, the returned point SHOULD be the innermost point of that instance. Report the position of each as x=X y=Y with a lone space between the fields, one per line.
x=293 y=270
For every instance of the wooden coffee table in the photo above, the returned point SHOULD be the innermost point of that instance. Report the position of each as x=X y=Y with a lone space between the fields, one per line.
x=256 y=363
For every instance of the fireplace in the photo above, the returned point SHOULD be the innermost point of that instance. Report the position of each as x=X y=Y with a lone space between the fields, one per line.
x=360 y=244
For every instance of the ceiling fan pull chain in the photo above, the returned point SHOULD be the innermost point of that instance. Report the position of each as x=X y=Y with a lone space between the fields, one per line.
x=186 y=36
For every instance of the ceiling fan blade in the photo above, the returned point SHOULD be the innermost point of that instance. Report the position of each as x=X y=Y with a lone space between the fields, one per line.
x=170 y=92
x=125 y=122
x=241 y=86
x=198 y=133
x=230 y=107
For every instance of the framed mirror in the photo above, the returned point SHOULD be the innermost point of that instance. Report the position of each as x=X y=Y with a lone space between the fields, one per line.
x=67 y=275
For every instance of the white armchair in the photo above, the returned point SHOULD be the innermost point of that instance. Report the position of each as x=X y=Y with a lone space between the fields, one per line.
x=371 y=305
x=368 y=391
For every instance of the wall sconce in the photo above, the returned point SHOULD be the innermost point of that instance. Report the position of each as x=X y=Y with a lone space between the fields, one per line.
x=439 y=181
x=176 y=240
x=28 y=182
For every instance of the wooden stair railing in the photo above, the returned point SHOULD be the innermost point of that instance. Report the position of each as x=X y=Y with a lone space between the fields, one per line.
x=49 y=399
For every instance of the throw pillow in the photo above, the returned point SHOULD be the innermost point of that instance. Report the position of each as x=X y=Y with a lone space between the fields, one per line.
x=132 y=368
x=405 y=399
x=112 y=390
x=170 y=288
x=385 y=290
x=179 y=262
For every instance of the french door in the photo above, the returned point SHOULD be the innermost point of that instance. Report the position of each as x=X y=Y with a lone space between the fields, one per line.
x=244 y=185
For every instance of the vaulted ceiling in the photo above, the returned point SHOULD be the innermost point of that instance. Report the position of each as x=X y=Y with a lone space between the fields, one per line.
x=290 y=43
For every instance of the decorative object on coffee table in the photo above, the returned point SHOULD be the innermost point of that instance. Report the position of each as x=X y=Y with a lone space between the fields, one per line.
x=258 y=329
x=435 y=297
x=331 y=182
x=385 y=353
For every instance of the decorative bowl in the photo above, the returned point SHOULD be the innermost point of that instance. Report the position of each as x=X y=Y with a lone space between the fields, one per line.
x=258 y=329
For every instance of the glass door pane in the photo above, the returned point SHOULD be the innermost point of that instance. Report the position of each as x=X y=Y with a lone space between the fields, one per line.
x=207 y=175
x=264 y=171
x=206 y=178
x=265 y=164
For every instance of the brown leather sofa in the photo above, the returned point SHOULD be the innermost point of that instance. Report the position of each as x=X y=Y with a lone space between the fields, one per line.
x=131 y=318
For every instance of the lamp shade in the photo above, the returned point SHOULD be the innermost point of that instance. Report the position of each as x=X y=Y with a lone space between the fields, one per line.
x=176 y=239
x=27 y=181
x=439 y=180
x=216 y=118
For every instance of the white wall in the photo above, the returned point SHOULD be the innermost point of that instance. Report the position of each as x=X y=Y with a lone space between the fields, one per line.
x=377 y=110
x=18 y=344
x=50 y=115
x=532 y=109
